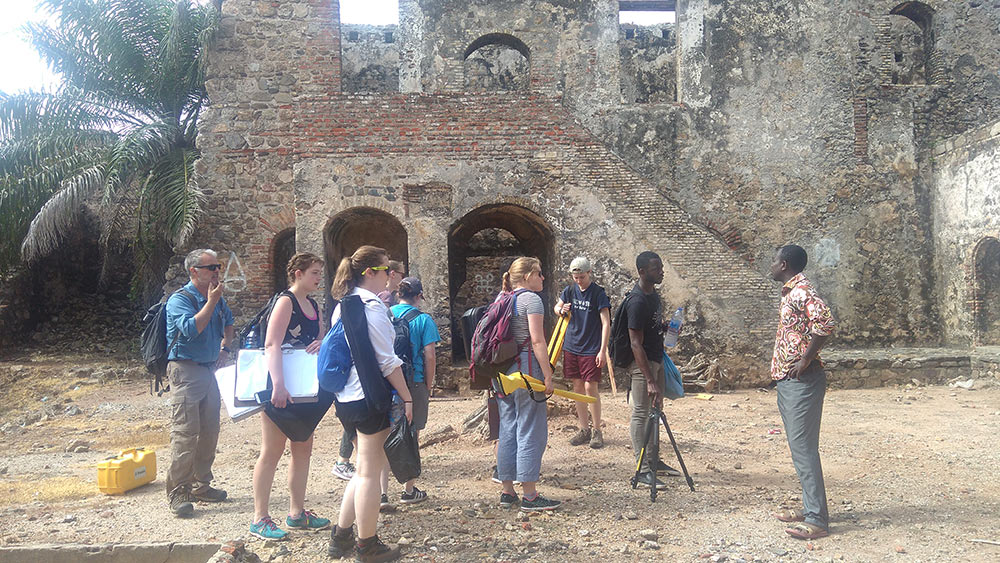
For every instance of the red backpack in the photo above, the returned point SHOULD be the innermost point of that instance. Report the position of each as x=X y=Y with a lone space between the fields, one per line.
x=493 y=346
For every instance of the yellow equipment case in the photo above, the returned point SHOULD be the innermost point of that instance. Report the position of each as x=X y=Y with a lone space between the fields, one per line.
x=132 y=468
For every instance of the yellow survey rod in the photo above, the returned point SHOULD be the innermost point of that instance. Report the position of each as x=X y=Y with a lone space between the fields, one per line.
x=513 y=381
x=556 y=342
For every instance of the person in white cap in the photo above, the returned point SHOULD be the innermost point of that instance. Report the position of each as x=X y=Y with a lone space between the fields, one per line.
x=585 y=349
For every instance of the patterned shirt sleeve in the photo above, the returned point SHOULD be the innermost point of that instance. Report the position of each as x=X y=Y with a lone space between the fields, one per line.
x=821 y=321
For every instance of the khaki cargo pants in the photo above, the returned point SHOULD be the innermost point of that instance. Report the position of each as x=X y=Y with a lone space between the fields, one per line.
x=194 y=429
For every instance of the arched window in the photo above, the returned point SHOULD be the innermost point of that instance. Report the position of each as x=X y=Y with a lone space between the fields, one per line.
x=358 y=226
x=912 y=44
x=497 y=61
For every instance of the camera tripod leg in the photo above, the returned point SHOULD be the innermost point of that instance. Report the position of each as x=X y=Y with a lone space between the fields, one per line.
x=677 y=451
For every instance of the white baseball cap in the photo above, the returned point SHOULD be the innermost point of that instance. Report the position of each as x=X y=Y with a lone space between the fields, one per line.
x=579 y=265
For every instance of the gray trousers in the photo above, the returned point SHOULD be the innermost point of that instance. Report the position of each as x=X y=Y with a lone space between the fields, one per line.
x=800 y=402
x=194 y=429
x=640 y=409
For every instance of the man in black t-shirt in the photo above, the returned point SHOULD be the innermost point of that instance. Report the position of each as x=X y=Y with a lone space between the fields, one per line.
x=643 y=308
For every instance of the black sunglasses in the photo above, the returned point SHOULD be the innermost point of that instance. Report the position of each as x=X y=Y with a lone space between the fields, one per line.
x=212 y=267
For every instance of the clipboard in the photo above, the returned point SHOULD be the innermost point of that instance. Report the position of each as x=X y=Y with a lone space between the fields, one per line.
x=226 y=378
x=253 y=379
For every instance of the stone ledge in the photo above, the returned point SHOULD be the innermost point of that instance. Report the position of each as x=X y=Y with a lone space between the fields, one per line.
x=110 y=553
x=877 y=367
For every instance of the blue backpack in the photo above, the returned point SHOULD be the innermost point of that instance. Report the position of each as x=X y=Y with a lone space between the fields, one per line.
x=334 y=362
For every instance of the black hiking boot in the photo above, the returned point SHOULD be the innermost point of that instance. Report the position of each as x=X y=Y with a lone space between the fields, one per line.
x=180 y=502
x=341 y=542
x=372 y=550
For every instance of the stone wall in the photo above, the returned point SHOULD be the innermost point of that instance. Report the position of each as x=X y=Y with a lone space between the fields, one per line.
x=966 y=207
x=369 y=58
x=787 y=127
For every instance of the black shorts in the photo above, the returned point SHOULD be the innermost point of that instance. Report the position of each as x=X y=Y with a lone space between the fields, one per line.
x=356 y=416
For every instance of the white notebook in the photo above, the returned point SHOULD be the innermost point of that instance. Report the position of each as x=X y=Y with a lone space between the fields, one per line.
x=226 y=378
x=298 y=367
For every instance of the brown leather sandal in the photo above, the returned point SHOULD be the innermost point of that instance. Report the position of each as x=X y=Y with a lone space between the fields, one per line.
x=806 y=531
x=789 y=515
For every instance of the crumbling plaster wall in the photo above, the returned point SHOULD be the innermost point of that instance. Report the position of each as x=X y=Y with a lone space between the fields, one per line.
x=787 y=129
x=966 y=175
x=369 y=58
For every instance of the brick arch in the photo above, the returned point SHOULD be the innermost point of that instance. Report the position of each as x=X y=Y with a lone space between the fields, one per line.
x=495 y=68
x=357 y=226
x=986 y=292
x=485 y=240
x=921 y=15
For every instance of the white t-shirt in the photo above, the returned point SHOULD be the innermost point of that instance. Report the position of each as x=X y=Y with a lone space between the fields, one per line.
x=382 y=335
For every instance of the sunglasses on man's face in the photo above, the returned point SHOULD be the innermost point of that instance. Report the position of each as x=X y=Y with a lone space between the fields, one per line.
x=212 y=267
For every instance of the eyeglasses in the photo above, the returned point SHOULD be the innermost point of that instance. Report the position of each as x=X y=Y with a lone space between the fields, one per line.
x=212 y=267
x=375 y=269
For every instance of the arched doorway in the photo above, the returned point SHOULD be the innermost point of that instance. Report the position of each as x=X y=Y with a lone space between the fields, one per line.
x=481 y=246
x=282 y=250
x=358 y=226
x=986 y=302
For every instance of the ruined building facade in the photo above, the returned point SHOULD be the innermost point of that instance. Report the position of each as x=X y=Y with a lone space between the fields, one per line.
x=477 y=130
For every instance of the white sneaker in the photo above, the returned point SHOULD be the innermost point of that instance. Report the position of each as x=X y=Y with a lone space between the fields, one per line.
x=343 y=470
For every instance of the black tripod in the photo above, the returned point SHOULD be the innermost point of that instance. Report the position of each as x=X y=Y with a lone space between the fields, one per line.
x=651 y=449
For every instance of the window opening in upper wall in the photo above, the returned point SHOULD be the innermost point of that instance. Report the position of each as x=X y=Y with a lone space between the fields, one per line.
x=497 y=61
x=911 y=40
x=647 y=12
x=371 y=12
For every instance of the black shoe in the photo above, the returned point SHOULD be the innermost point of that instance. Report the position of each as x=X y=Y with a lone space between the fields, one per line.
x=507 y=501
x=664 y=469
x=415 y=497
x=210 y=494
x=180 y=502
x=539 y=503
x=372 y=550
x=648 y=479
x=341 y=542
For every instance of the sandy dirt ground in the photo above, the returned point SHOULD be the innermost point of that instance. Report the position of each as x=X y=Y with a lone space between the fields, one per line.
x=912 y=475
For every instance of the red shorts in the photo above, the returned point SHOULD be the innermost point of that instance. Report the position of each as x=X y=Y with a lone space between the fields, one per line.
x=580 y=367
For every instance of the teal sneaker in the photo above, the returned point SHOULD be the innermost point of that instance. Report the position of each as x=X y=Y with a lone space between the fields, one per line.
x=307 y=521
x=266 y=529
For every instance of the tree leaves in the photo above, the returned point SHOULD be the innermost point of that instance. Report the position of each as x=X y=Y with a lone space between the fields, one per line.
x=120 y=131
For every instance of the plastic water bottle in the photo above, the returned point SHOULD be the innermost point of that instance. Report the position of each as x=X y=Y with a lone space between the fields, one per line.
x=250 y=342
x=674 y=328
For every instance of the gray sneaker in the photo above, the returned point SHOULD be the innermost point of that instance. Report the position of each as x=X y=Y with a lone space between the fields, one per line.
x=580 y=438
x=539 y=503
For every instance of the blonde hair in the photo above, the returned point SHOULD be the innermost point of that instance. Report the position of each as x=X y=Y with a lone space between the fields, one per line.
x=352 y=269
x=519 y=271
x=301 y=261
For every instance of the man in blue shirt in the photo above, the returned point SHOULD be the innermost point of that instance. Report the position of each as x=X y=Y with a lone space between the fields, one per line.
x=585 y=348
x=200 y=318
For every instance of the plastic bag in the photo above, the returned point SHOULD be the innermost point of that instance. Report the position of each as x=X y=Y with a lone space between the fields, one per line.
x=674 y=385
x=403 y=451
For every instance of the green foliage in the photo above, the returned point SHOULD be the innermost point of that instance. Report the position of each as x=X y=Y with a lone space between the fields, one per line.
x=120 y=131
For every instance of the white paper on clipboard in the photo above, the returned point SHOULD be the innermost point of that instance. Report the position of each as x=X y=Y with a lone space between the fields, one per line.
x=298 y=368
x=226 y=378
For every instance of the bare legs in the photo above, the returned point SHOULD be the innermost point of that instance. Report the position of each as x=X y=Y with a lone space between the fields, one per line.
x=588 y=388
x=272 y=446
x=361 y=497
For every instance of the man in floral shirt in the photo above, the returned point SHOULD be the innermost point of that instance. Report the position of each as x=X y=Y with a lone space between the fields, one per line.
x=804 y=327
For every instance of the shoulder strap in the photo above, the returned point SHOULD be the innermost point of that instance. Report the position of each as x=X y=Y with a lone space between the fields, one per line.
x=411 y=314
x=177 y=334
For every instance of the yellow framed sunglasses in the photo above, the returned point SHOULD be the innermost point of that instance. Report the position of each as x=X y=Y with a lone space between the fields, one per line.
x=375 y=269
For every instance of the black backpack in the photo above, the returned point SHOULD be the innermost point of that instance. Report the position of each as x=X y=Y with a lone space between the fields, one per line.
x=258 y=325
x=401 y=344
x=153 y=342
x=620 y=345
